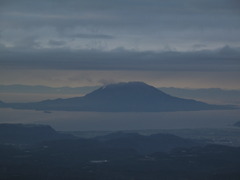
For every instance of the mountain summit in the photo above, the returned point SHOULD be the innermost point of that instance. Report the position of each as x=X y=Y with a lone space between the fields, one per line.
x=130 y=91
x=121 y=97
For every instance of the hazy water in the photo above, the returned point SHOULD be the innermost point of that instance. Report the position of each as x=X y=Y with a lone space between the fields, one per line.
x=122 y=121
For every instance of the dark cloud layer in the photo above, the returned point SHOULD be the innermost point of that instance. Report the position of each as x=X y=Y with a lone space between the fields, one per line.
x=92 y=36
x=224 y=59
x=144 y=24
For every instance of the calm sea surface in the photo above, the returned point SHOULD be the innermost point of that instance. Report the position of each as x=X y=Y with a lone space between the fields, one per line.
x=122 y=121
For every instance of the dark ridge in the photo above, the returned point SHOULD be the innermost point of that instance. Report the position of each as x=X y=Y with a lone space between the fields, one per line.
x=29 y=133
x=146 y=144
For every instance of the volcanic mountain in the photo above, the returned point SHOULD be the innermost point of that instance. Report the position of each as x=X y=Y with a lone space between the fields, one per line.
x=121 y=97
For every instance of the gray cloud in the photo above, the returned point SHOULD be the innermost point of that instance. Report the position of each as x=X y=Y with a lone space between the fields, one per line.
x=223 y=59
x=153 y=23
x=91 y=36
x=56 y=42
x=145 y=40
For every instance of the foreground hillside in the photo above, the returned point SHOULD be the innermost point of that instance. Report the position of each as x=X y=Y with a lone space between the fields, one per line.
x=120 y=156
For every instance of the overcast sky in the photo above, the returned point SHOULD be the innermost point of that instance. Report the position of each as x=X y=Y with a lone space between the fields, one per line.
x=179 y=43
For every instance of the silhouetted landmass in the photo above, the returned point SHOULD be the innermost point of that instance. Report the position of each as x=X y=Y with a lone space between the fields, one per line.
x=146 y=144
x=29 y=133
x=18 y=134
x=115 y=157
x=121 y=97
x=231 y=96
x=212 y=94
x=228 y=136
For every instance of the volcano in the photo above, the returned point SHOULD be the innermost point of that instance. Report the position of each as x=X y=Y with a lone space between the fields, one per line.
x=121 y=97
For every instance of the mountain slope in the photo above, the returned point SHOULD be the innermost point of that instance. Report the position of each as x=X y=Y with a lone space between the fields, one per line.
x=121 y=97
x=29 y=133
x=146 y=144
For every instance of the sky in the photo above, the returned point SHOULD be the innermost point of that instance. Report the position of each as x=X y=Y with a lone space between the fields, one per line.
x=187 y=43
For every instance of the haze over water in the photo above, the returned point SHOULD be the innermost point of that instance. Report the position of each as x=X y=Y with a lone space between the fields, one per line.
x=84 y=121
